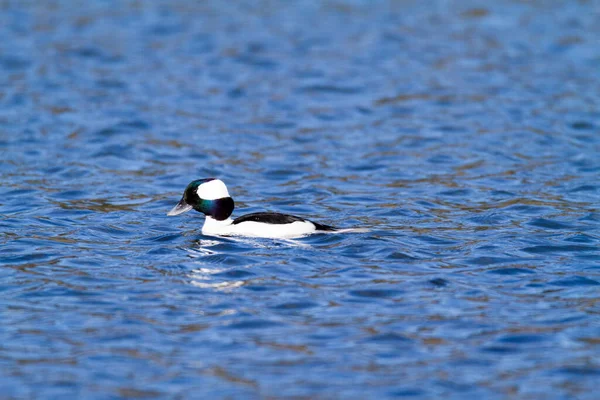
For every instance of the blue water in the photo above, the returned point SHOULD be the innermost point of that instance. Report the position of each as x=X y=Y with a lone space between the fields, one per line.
x=465 y=135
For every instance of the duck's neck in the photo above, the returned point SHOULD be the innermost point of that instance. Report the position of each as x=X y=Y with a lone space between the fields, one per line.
x=213 y=226
x=218 y=209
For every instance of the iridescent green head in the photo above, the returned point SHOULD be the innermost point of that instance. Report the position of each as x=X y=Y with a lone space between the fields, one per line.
x=208 y=196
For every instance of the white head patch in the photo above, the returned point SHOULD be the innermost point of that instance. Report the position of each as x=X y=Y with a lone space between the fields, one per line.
x=212 y=190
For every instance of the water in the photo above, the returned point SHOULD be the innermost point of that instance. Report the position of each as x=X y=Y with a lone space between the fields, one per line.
x=466 y=137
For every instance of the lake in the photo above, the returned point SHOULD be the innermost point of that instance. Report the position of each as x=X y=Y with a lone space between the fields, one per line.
x=464 y=135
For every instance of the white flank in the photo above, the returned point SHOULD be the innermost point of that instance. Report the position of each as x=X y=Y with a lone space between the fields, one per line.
x=212 y=227
x=274 y=231
x=212 y=190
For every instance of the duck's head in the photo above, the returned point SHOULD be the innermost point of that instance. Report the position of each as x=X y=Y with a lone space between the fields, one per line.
x=208 y=196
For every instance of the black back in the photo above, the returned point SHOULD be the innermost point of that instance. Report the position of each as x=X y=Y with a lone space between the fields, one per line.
x=278 y=219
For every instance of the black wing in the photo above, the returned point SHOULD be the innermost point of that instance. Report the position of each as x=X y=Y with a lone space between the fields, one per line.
x=277 y=218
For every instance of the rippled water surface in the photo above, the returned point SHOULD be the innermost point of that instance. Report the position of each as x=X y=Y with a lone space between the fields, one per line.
x=465 y=136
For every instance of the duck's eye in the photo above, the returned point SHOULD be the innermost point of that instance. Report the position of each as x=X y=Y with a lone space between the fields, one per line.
x=190 y=196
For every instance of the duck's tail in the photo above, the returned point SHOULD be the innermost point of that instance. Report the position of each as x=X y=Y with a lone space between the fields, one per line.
x=325 y=228
x=329 y=228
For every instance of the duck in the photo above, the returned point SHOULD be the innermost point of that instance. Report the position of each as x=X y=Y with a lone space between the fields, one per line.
x=211 y=197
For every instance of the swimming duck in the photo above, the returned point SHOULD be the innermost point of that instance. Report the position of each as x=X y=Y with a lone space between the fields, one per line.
x=211 y=197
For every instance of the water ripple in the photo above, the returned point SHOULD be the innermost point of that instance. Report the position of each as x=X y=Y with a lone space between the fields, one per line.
x=463 y=136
